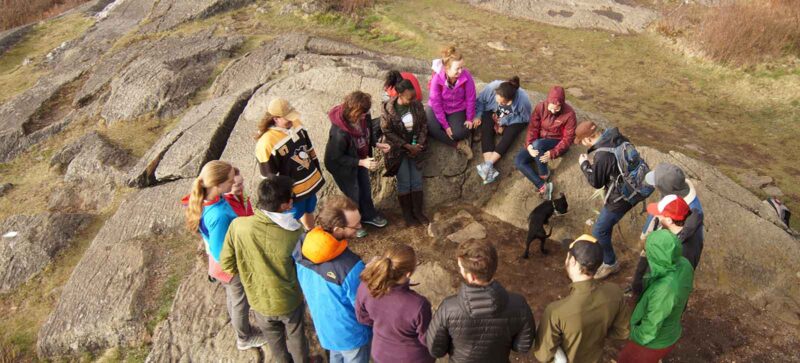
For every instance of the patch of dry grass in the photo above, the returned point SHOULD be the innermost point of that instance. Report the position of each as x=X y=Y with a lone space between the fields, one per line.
x=19 y=12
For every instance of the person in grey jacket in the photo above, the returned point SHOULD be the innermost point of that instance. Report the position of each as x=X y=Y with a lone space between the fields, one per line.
x=483 y=322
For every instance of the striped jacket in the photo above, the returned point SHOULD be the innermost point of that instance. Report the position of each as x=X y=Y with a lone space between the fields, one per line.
x=289 y=152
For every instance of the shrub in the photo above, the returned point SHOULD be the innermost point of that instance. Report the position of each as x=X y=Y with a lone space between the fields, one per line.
x=14 y=13
x=748 y=32
x=350 y=7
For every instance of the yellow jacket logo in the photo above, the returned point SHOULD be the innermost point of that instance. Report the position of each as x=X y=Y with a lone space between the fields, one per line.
x=331 y=274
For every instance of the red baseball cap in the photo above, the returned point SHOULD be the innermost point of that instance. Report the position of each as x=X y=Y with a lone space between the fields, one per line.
x=671 y=206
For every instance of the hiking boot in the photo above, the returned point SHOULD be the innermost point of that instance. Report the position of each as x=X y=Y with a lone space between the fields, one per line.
x=405 y=207
x=361 y=233
x=463 y=147
x=377 y=221
x=254 y=341
x=416 y=204
x=606 y=270
x=546 y=191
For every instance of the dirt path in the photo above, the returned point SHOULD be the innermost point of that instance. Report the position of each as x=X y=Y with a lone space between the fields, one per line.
x=717 y=327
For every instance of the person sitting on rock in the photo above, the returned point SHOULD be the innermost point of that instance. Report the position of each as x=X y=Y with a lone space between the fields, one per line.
x=399 y=317
x=348 y=154
x=258 y=250
x=405 y=129
x=329 y=277
x=210 y=215
x=670 y=179
x=503 y=108
x=483 y=322
x=575 y=328
x=393 y=78
x=451 y=101
x=284 y=148
x=551 y=132
x=602 y=172
x=656 y=320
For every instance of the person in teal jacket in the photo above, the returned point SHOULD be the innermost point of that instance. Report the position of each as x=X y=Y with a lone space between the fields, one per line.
x=656 y=320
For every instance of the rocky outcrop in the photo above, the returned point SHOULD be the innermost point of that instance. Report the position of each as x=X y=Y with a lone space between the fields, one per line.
x=168 y=14
x=200 y=136
x=100 y=304
x=29 y=243
x=611 y=15
x=198 y=328
x=434 y=282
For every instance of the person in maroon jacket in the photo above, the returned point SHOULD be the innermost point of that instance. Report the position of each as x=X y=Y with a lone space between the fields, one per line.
x=551 y=131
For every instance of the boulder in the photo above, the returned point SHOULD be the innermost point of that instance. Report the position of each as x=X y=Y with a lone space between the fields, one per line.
x=198 y=327
x=29 y=243
x=444 y=225
x=473 y=230
x=434 y=282
x=100 y=305
x=611 y=15
x=752 y=180
x=161 y=81
x=199 y=137
x=168 y=14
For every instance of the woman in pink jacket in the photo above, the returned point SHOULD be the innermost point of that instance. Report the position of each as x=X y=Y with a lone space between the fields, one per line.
x=451 y=101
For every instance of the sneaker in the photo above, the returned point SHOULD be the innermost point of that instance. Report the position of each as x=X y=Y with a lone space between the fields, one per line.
x=548 y=191
x=606 y=270
x=464 y=148
x=378 y=221
x=482 y=171
x=361 y=233
x=254 y=341
x=491 y=176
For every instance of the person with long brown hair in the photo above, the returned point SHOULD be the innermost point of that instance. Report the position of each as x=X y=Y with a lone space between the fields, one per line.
x=348 y=154
x=399 y=316
x=284 y=148
x=452 y=101
x=209 y=214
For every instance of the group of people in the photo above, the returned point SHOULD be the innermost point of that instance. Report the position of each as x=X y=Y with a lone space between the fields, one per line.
x=286 y=254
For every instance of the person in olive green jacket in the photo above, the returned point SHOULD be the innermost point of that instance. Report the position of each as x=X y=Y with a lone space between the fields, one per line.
x=656 y=320
x=259 y=249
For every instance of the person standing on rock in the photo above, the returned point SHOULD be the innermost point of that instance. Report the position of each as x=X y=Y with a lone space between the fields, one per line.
x=405 y=128
x=210 y=215
x=551 y=132
x=503 y=108
x=348 y=154
x=284 y=148
x=602 y=172
x=399 y=316
x=575 y=328
x=670 y=179
x=656 y=320
x=483 y=322
x=329 y=276
x=258 y=250
x=393 y=78
x=451 y=101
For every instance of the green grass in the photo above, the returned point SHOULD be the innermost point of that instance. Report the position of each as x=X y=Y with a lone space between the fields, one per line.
x=16 y=77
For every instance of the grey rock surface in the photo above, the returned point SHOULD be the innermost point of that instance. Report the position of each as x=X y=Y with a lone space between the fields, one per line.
x=29 y=242
x=168 y=14
x=100 y=305
x=473 y=230
x=435 y=282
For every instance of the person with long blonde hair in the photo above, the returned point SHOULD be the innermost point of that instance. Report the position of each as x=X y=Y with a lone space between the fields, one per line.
x=399 y=316
x=451 y=101
x=209 y=214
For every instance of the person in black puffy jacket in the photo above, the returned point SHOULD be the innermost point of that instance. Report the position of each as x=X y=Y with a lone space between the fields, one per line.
x=483 y=322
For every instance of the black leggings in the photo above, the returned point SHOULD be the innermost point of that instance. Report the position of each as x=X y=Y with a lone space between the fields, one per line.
x=487 y=135
x=456 y=122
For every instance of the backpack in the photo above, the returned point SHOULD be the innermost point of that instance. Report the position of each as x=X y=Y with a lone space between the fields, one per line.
x=783 y=212
x=632 y=169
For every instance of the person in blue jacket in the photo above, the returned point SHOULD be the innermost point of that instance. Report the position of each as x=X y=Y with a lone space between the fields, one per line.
x=502 y=108
x=328 y=273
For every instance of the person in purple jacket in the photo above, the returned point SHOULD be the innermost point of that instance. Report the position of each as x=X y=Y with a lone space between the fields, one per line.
x=452 y=101
x=399 y=317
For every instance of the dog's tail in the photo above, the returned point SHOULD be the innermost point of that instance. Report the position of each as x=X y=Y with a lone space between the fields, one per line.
x=549 y=232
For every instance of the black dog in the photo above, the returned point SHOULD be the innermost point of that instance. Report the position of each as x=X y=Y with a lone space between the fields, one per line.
x=539 y=217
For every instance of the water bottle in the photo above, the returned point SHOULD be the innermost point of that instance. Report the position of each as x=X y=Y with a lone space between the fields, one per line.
x=414 y=140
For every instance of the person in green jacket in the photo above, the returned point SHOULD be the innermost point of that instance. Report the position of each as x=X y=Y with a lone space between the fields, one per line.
x=656 y=320
x=259 y=249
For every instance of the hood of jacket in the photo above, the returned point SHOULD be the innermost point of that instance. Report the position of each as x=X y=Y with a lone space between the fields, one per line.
x=610 y=138
x=336 y=115
x=663 y=251
x=556 y=95
x=483 y=301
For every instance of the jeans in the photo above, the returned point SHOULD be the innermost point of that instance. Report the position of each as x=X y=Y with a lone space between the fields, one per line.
x=602 y=230
x=238 y=308
x=285 y=335
x=361 y=194
x=409 y=177
x=358 y=355
x=487 y=135
x=456 y=122
x=524 y=159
